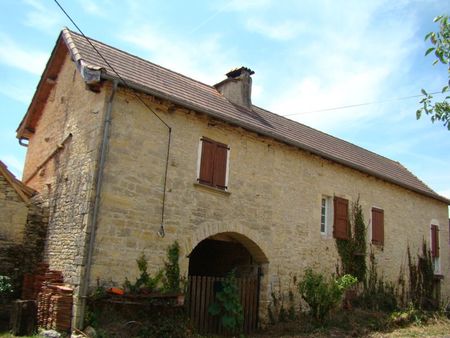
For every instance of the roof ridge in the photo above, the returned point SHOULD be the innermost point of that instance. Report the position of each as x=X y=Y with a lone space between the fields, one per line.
x=144 y=60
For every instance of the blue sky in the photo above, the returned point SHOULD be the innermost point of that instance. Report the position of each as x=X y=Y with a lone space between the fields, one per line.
x=307 y=56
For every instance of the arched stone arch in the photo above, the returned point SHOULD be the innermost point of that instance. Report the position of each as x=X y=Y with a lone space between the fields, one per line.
x=249 y=238
x=215 y=250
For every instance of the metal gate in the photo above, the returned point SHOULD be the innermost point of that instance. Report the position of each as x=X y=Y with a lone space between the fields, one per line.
x=201 y=293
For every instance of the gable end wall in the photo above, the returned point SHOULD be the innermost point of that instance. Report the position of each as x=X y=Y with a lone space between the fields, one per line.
x=65 y=148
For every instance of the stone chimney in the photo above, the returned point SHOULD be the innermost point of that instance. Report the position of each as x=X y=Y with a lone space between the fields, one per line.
x=237 y=87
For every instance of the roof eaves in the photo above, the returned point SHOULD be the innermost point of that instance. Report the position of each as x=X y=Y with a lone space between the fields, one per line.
x=273 y=135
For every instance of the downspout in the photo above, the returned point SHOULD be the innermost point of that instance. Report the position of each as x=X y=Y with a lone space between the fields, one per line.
x=84 y=285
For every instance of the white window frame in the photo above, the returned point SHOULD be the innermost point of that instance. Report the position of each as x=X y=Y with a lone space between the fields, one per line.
x=328 y=225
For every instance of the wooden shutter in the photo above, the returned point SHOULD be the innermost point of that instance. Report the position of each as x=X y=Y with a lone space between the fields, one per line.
x=434 y=240
x=220 y=166
x=340 y=218
x=213 y=163
x=207 y=162
x=377 y=226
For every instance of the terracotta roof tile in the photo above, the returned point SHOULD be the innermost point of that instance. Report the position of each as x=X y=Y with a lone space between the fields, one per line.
x=149 y=77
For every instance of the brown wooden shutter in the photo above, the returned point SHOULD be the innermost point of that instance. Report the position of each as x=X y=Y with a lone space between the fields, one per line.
x=377 y=226
x=340 y=218
x=434 y=241
x=207 y=162
x=220 y=166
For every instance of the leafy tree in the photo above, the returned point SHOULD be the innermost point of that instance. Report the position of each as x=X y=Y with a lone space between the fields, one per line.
x=438 y=110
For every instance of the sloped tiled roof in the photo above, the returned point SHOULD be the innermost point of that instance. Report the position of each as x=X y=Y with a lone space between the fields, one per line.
x=21 y=189
x=152 y=79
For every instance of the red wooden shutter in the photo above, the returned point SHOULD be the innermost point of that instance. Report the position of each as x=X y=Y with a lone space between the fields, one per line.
x=434 y=241
x=340 y=218
x=220 y=166
x=377 y=226
x=207 y=162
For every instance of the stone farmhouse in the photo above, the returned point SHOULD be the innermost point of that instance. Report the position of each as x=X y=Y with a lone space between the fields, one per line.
x=129 y=169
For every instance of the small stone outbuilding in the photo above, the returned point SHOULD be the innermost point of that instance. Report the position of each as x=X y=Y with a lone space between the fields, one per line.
x=23 y=226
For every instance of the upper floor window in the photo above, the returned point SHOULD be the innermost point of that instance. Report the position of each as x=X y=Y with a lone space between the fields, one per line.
x=213 y=163
x=341 y=221
x=377 y=226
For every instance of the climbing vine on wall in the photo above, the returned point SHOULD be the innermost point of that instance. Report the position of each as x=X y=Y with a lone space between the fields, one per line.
x=352 y=251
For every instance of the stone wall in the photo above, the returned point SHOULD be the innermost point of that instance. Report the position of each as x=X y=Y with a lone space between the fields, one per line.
x=273 y=200
x=67 y=141
x=13 y=217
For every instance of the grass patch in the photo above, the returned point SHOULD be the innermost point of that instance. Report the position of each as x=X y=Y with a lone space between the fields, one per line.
x=360 y=323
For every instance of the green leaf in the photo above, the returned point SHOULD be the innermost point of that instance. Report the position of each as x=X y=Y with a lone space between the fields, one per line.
x=429 y=50
x=424 y=92
x=444 y=89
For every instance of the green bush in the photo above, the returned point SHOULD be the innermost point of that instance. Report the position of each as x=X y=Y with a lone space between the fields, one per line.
x=6 y=288
x=228 y=306
x=323 y=295
x=144 y=282
x=172 y=280
x=377 y=293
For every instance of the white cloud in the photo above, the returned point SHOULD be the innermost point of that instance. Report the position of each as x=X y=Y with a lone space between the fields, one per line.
x=90 y=6
x=243 y=6
x=14 y=164
x=285 y=30
x=43 y=15
x=345 y=61
x=96 y=7
x=16 y=93
x=23 y=58
x=182 y=55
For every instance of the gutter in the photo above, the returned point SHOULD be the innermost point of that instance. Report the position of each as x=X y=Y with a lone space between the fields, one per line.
x=84 y=285
x=275 y=136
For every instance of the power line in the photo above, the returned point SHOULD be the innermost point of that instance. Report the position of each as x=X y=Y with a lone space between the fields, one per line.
x=109 y=65
x=161 y=231
x=358 y=104
x=140 y=99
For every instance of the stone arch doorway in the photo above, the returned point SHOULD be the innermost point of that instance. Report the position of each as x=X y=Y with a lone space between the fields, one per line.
x=209 y=263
